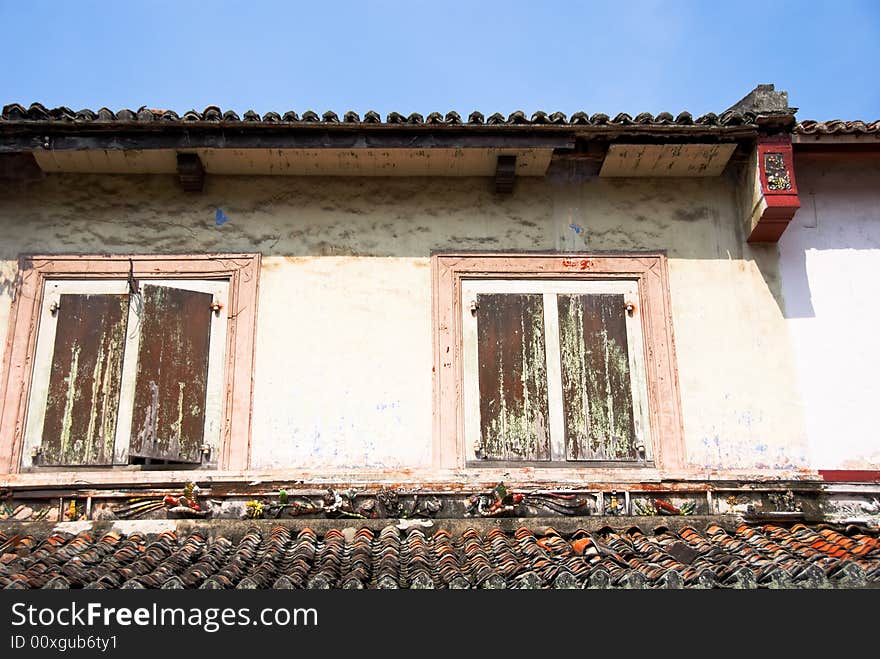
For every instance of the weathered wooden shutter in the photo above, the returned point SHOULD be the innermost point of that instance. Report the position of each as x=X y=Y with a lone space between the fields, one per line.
x=596 y=386
x=512 y=377
x=79 y=427
x=172 y=373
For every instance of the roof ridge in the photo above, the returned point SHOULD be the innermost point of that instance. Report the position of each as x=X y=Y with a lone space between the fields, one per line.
x=37 y=112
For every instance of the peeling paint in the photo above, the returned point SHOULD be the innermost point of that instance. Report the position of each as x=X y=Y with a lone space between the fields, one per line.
x=69 y=399
x=172 y=371
x=597 y=395
x=82 y=400
x=513 y=377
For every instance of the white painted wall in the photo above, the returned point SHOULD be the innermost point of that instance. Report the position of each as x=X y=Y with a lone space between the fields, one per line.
x=830 y=268
x=344 y=345
x=344 y=372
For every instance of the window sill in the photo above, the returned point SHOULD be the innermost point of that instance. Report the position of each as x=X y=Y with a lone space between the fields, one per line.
x=584 y=466
x=483 y=478
x=476 y=478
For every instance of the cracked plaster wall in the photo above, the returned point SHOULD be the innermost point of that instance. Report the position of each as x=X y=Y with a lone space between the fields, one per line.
x=343 y=363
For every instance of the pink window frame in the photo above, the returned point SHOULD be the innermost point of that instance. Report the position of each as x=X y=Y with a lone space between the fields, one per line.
x=242 y=271
x=650 y=271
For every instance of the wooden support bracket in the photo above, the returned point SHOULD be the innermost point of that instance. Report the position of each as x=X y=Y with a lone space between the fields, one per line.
x=191 y=172
x=505 y=174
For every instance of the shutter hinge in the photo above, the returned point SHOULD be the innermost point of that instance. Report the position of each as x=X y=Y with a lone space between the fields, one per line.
x=479 y=454
x=37 y=455
x=474 y=307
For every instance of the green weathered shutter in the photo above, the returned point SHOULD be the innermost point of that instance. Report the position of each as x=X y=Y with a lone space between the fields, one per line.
x=172 y=373
x=596 y=385
x=82 y=402
x=514 y=418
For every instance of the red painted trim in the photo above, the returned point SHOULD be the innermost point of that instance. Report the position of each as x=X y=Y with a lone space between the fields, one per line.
x=781 y=205
x=850 y=475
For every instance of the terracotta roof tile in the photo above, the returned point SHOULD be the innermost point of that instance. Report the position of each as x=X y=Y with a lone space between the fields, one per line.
x=766 y=556
x=36 y=112
x=837 y=127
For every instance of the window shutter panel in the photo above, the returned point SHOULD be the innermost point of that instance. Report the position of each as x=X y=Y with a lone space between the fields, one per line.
x=514 y=418
x=172 y=373
x=596 y=385
x=82 y=402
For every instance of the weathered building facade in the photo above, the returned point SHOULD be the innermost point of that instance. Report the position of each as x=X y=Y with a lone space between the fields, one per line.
x=547 y=317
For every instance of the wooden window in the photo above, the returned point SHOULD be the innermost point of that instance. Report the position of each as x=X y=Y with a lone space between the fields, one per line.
x=122 y=376
x=554 y=370
x=131 y=360
x=551 y=360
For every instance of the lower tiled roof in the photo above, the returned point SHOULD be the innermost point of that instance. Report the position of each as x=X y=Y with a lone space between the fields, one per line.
x=749 y=556
x=837 y=127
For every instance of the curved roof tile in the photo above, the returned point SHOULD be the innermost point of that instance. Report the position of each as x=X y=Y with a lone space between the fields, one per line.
x=749 y=556
x=837 y=127
x=36 y=112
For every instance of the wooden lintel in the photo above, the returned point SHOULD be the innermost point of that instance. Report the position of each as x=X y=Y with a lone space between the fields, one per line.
x=174 y=138
x=505 y=174
x=191 y=172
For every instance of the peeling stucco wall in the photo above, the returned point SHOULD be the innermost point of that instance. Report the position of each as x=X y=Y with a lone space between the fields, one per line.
x=344 y=346
x=829 y=260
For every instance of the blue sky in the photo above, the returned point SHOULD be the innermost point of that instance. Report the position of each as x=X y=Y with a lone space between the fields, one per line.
x=414 y=56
